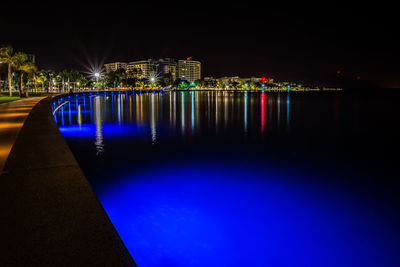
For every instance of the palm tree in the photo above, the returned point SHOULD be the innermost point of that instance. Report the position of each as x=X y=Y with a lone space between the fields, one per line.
x=36 y=80
x=142 y=83
x=112 y=79
x=28 y=68
x=23 y=65
x=6 y=56
x=51 y=79
x=64 y=76
x=40 y=77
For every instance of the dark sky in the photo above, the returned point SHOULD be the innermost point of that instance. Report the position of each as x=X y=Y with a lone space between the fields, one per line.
x=295 y=42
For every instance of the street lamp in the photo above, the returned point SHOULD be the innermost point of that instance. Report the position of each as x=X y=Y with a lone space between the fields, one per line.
x=97 y=75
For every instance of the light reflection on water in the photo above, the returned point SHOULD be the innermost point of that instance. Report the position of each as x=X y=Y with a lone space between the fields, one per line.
x=98 y=122
x=146 y=109
x=211 y=178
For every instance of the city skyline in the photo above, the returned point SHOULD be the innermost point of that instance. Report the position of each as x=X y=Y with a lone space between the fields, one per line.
x=151 y=69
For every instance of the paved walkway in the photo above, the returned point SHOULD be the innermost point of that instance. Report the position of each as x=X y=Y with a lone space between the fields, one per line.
x=50 y=215
x=12 y=117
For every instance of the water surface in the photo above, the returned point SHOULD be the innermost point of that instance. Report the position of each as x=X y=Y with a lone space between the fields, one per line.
x=241 y=178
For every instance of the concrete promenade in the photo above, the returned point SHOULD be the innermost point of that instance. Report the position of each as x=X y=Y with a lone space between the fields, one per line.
x=50 y=215
x=12 y=117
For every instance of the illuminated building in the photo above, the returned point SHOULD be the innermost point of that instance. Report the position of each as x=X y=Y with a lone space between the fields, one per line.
x=147 y=68
x=252 y=79
x=227 y=80
x=115 y=66
x=167 y=65
x=189 y=70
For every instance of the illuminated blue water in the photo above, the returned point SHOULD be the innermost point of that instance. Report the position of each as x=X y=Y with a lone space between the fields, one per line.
x=223 y=179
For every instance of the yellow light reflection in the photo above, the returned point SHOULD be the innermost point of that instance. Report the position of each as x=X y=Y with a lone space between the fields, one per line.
x=4 y=151
x=79 y=116
x=13 y=114
x=16 y=109
x=8 y=125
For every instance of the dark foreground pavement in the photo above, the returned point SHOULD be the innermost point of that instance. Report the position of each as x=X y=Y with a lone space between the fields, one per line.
x=50 y=215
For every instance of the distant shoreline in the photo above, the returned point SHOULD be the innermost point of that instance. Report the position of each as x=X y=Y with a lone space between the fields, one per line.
x=215 y=90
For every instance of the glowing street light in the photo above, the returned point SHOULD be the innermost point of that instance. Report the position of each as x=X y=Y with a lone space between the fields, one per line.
x=97 y=75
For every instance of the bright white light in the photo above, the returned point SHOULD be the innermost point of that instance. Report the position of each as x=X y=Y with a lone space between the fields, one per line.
x=152 y=80
x=97 y=75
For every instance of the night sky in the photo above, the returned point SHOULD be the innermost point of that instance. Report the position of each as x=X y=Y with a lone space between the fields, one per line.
x=301 y=43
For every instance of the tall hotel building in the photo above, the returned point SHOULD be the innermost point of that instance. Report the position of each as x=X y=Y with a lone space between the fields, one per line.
x=147 y=67
x=189 y=70
x=115 y=66
x=167 y=65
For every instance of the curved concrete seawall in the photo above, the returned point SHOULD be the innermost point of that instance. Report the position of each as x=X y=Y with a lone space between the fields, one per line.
x=50 y=214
